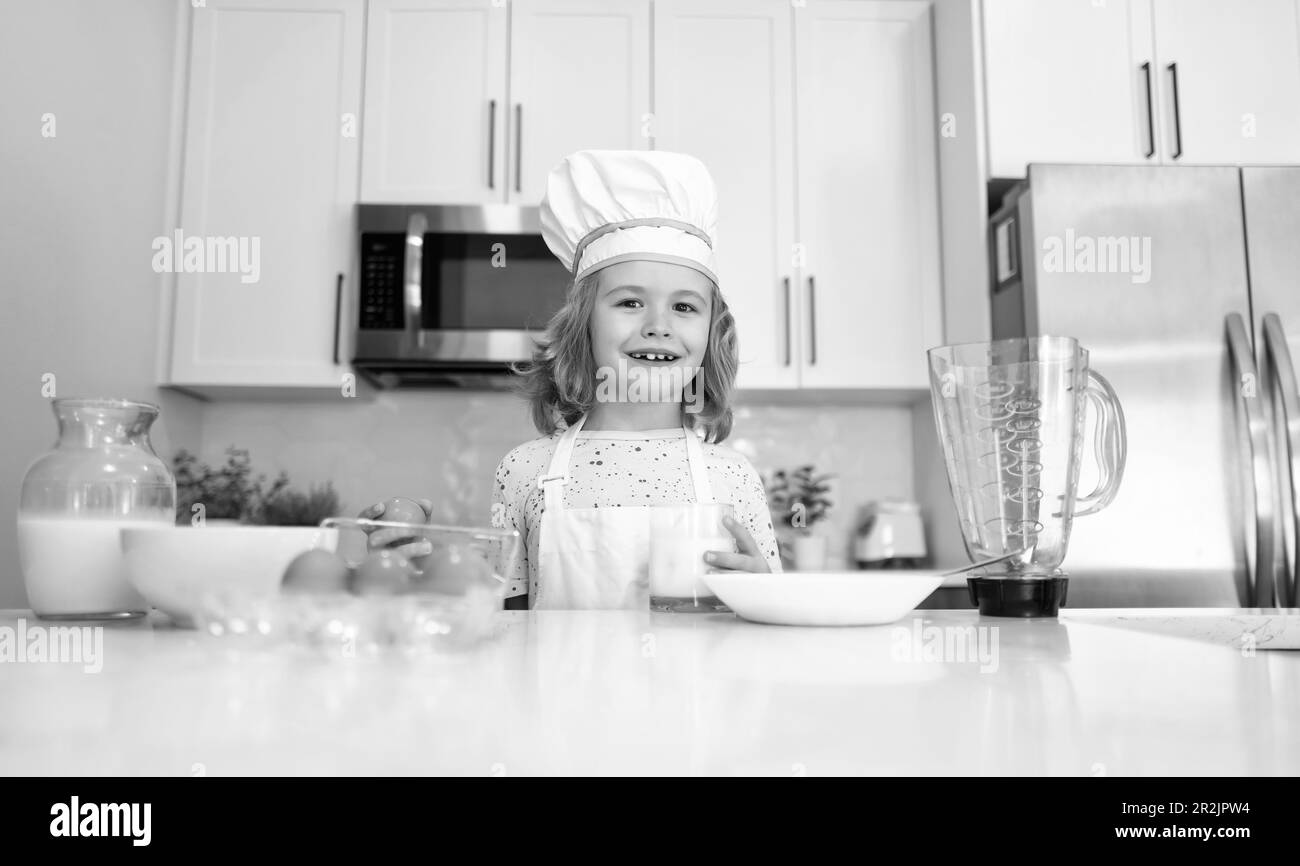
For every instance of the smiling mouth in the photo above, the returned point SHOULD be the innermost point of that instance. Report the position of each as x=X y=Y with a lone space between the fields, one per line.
x=654 y=357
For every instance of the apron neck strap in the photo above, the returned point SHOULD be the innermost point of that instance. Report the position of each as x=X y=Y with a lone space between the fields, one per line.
x=557 y=473
x=699 y=473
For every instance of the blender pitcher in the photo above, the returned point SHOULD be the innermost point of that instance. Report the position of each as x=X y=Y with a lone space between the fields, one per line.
x=1010 y=417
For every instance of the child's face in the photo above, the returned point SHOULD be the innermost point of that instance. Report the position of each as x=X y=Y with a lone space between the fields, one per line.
x=655 y=307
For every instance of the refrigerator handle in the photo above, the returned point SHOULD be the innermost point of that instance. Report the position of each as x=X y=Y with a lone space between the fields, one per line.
x=1280 y=374
x=1244 y=386
x=1151 y=126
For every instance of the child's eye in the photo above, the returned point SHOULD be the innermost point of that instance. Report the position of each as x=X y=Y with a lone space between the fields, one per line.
x=689 y=308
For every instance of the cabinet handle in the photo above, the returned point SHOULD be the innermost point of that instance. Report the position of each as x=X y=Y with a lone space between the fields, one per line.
x=812 y=322
x=786 y=283
x=338 y=310
x=1178 y=123
x=519 y=143
x=1151 y=128
x=492 y=142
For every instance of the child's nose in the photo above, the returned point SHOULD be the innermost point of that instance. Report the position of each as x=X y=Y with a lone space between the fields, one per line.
x=656 y=322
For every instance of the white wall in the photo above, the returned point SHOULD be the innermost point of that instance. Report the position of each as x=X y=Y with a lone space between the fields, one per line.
x=79 y=213
x=445 y=445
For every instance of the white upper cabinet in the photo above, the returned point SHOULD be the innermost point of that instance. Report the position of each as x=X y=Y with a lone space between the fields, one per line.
x=474 y=102
x=816 y=119
x=1232 y=72
x=868 y=218
x=579 y=80
x=1066 y=81
x=829 y=105
x=1159 y=82
x=704 y=48
x=435 y=102
x=270 y=163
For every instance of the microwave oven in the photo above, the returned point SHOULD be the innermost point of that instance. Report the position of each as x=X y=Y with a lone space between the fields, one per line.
x=451 y=295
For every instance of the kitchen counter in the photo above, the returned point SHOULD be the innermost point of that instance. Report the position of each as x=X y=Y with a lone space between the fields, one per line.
x=1097 y=692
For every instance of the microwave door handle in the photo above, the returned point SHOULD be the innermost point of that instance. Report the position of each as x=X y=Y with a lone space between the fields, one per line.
x=1286 y=403
x=1244 y=387
x=416 y=227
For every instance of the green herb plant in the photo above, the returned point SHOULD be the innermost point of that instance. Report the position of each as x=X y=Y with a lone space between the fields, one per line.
x=231 y=492
x=798 y=499
x=291 y=507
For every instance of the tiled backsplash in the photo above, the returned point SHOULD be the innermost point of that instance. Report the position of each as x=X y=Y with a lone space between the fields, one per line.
x=445 y=445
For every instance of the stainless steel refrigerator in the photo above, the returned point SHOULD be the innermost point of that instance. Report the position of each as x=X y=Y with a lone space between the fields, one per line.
x=1184 y=285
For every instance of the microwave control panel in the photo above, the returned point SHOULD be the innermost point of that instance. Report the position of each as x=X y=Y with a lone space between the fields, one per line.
x=382 y=257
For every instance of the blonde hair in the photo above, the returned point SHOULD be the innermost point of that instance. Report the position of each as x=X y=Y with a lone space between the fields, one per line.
x=560 y=381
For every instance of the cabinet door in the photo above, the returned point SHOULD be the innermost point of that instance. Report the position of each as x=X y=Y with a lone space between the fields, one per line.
x=1237 y=67
x=579 y=80
x=723 y=93
x=1064 y=82
x=435 y=102
x=271 y=163
x=868 y=214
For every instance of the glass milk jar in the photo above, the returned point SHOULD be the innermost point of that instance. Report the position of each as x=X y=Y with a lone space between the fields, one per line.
x=101 y=475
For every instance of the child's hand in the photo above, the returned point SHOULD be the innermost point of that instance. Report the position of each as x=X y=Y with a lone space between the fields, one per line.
x=750 y=558
x=397 y=511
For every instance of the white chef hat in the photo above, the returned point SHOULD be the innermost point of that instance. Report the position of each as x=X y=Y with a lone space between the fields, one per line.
x=607 y=206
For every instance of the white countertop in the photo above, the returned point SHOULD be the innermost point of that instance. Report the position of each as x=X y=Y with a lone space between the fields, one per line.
x=1100 y=692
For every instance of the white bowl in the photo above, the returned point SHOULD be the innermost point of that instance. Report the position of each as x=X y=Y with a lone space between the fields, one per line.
x=174 y=567
x=824 y=597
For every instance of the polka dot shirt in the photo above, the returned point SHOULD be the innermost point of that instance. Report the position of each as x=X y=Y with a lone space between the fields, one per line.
x=614 y=469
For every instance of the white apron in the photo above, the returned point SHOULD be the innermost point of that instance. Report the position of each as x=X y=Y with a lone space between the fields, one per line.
x=599 y=558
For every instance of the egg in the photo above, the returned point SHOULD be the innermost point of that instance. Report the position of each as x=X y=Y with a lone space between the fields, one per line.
x=451 y=570
x=316 y=571
x=382 y=572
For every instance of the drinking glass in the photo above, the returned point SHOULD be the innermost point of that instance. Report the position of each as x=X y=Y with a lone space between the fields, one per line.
x=680 y=535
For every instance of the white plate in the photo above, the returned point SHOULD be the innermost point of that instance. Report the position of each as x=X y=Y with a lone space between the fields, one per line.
x=824 y=597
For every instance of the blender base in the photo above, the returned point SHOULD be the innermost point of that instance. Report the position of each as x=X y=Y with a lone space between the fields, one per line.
x=1018 y=597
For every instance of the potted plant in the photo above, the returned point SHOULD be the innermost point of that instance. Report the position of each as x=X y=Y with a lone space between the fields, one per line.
x=289 y=507
x=227 y=495
x=799 y=501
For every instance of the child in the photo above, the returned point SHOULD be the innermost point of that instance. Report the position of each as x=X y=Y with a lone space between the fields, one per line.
x=637 y=230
